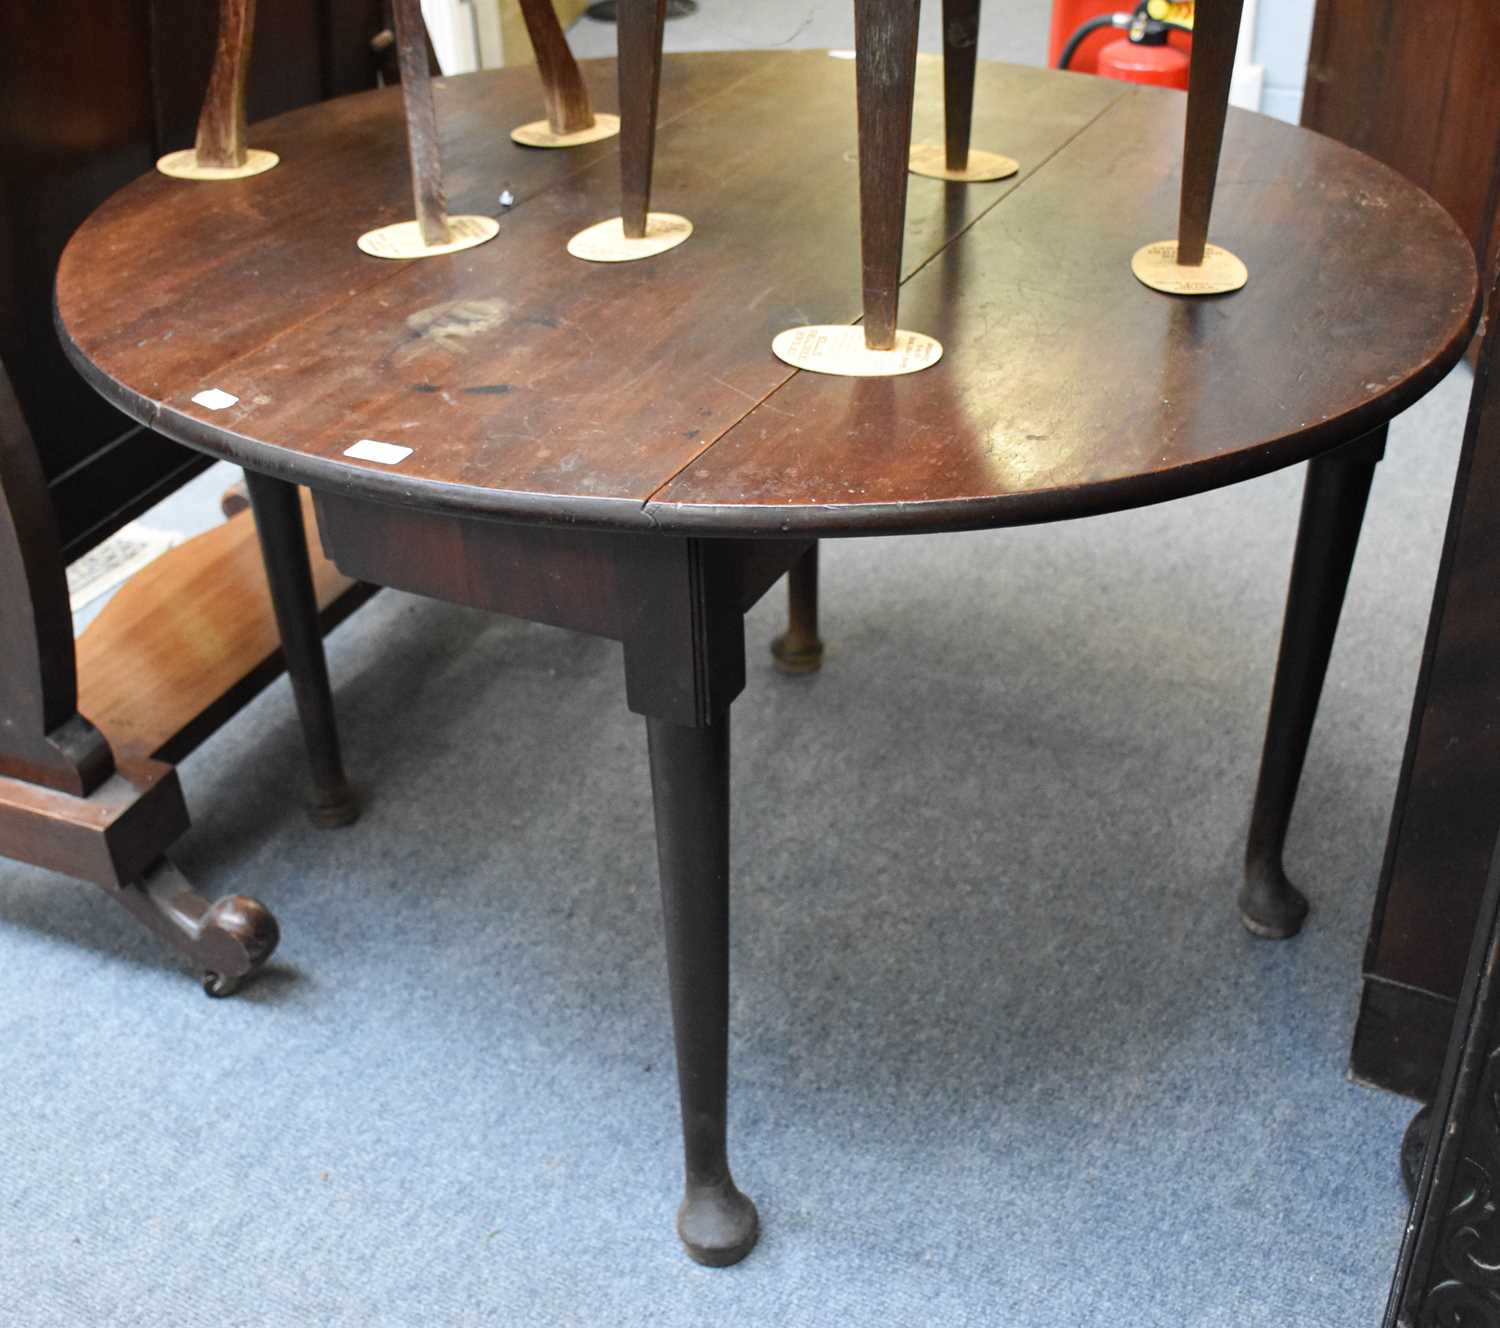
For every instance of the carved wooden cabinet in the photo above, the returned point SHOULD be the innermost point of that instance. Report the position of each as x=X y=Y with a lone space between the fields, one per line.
x=1414 y=85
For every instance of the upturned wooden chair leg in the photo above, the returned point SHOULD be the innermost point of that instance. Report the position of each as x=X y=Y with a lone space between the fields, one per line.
x=798 y=649
x=568 y=106
x=1215 y=37
x=642 y=26
x=1333 y=508
x=885 y=44
x=283 y=542
x=428 y=193
x=220 y=140
x=690 y=786
x=960 y=54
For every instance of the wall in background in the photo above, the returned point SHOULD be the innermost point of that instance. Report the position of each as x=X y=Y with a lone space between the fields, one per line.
x=1272 y=65
x=1283 y=29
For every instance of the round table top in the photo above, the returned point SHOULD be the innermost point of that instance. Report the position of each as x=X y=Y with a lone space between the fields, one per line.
x=532 y=386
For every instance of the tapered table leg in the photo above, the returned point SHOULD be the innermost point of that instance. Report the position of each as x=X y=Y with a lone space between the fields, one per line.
x=1333 y=508
x=690 y=784
x=798 y=649
x=283 y=543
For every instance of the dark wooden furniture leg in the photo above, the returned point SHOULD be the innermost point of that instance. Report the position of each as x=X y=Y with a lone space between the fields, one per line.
x=718 y=1225
x=283 y=542
x=221 y=124
x=642 y=25
x=1216 y=33
x=1333 y=508
x=960 y=52
x=885 y=43
x=1446 y=1271
x=64 y=805
x=799 y=649
x=567 y=99
x=684 y=665
x=678 y=606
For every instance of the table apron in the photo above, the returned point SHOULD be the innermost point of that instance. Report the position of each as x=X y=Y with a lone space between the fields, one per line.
x=677 y=603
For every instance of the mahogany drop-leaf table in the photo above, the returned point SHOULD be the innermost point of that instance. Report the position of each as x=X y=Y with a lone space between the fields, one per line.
x=615 y=449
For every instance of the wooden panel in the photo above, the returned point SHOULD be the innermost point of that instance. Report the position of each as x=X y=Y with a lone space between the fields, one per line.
x=76 y=114
x=1415 y=86
x=1377 y=76
x=190 y=638
x=108 y=838
x=1466 y=165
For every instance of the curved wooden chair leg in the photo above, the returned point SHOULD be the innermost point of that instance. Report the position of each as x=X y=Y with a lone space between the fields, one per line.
x=568 y=107
x=220 y=139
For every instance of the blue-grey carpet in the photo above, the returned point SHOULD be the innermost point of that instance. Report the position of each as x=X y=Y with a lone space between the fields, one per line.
x=1002 y=1053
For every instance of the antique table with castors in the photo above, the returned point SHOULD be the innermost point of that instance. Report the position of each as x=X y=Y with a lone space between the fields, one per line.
x=614 y=448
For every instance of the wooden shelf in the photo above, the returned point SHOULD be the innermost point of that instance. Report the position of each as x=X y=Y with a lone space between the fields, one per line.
x=191 y=638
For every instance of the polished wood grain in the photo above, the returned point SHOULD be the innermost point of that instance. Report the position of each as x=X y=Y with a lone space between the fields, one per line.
x=221 y=124
x=538 y=391
x=191 y=637
x=563 y=88
x=1078 y=394
x=641 y=26
x=1216 y=30
x=1415 y=87
x=885 y=60
x=352 y=158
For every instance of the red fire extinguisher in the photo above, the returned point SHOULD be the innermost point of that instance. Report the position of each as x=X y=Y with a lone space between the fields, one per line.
x=1154 y=49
